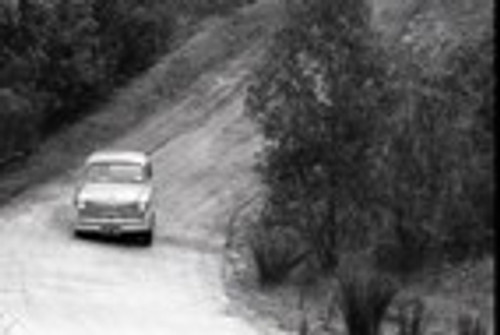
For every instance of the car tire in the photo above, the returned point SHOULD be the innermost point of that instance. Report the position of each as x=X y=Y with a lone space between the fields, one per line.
x=79 y=234
x=146 y=238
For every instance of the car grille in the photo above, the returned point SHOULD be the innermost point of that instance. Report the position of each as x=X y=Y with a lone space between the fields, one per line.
x=99 y=211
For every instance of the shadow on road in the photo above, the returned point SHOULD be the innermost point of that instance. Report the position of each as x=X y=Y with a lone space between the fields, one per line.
x=171 y=241
x=189 y=243
x=129 y=241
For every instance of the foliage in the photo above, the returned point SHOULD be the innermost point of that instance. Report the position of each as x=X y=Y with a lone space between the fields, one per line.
x=471 y=324
x=17 y=115
x=63 y=56
x=315 y=101
x=276 y=252
x=373 y=150
x=411 y=318
x=365 y=296
x=435 y=161
x=203 y=8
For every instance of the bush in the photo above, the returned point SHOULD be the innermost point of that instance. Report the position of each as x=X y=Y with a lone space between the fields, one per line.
x=367 y=149
x=18 y=125
x=69 y=54
x=202 y=8
x=470 y=324
x=365 y=296
x=315 y=101
x=276 y=253
x=434 y=174
x=411 y=317
x=132 y=34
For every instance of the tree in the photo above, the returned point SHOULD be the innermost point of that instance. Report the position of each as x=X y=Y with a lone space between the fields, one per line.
x=315 y=101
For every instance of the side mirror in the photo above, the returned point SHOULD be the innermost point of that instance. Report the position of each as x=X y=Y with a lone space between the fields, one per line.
x=149 y=171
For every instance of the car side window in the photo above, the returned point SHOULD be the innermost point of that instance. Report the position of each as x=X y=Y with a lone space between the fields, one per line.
x=149 y=171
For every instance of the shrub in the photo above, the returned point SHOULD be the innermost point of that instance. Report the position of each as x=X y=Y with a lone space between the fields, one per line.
x=276 y=252
x=69 y=54
x=365 y=296
x=18 y=125
x=366 y=149
x=470 y=324
x=314 y=101
x=434 y=175
x=132 y=34
x=411 y=317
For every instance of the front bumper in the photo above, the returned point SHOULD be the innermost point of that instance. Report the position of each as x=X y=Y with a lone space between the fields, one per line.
x=113 y=226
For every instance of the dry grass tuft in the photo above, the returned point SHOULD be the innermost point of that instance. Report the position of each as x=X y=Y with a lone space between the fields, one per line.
x=470 y=324
x=411 y=318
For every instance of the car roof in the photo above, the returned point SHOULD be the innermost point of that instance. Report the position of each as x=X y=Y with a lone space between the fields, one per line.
x=118 y=156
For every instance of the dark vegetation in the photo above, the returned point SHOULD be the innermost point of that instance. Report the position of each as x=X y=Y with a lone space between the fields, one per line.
x=371 y=151
x=385 y=152
x=58 y=58
x=365 y=297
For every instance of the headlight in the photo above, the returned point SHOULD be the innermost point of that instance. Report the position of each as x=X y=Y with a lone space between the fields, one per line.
x=143 y=206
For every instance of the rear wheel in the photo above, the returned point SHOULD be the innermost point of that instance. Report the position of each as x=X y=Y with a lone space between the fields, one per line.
x=78 y=234
x=146 y=238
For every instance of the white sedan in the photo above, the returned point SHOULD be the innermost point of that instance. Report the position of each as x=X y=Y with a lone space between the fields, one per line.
x=115 y=195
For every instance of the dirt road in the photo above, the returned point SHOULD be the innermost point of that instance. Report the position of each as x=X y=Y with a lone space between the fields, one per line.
x=203 y=150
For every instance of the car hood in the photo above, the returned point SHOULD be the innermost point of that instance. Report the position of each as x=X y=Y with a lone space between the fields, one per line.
x=114 y=193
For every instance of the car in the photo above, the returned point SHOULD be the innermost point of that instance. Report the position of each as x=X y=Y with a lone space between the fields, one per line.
x=115 y=196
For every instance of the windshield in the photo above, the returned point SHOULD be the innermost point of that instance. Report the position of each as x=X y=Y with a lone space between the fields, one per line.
x=115 y=173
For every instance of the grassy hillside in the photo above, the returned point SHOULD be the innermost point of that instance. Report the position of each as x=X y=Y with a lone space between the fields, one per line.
x=58 y=59
x=154 y=91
